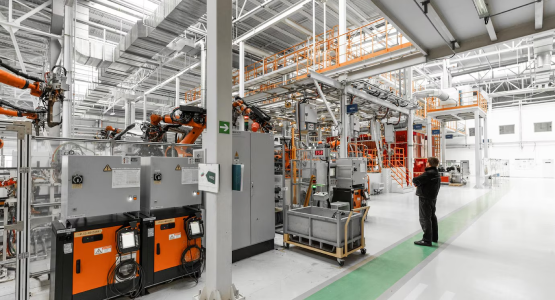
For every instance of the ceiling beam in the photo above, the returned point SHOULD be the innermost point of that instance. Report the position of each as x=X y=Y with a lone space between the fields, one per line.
x=261 y=27
x=491 y=30
x=440 y=23
x=539 y=15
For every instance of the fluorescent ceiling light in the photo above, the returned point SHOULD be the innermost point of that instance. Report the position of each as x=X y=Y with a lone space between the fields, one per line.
x=481 y=8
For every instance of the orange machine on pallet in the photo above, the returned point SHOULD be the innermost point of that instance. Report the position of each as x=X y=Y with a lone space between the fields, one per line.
x=172 y=227
x=96 y=245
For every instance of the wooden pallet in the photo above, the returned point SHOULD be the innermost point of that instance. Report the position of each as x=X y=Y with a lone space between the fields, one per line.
x=456 y=184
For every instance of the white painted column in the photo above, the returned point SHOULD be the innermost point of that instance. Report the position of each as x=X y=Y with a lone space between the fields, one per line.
x=325 y=34
x=477 y=146
x=429 y=136
x=446 y=76
x=218 y=283
x=68 y=64
x=486 y=142
x=345 y=126
x=242 y=69
x=342 y=30
x=314 y=34
x=177 y=102
x=131 y=112
x=203 y=74
x=410 y=142
x=443 y=143
x=144 y=108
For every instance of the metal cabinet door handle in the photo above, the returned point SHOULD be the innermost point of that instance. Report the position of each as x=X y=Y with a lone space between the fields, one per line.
x=78 y=266
x=158 y=249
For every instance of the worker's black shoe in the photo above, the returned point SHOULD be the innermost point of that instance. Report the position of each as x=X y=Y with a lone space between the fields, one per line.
x=422 y=243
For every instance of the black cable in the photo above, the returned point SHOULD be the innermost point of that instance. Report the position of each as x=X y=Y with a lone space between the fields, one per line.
x=193 y=266
x=431 y=23
x=19 y=73
x=119 y=273
x=508 y=10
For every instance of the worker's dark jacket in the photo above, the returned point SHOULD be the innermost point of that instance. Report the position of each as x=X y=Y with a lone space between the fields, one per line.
x=428 y=184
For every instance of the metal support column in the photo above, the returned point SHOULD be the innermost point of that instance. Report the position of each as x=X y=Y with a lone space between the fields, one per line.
x=202 y=73
x=429 y=136
x=144 y=108
x=177 y=100
x=68 y=64
x=486 y=142
x=242 y=69
x=342 y=30
x=410 y=142
x=217 y=146
x=345 y=127
x=443 y=143
x=55 y=48
x=477 y=146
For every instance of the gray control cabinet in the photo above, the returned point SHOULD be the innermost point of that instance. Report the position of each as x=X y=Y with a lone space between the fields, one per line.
x=168 y=182
x=254 y=208
x=350 y=172
x=108 y=185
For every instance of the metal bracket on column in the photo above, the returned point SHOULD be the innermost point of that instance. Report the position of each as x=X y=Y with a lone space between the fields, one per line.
x=215 y=295
x=22 y=128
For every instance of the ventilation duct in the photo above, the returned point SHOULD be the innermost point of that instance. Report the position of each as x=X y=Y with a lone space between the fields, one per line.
x=145 y=39
x=543 y=47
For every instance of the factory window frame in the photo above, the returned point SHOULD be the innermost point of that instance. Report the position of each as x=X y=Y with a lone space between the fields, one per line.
x=507 y=129
x=543 y=127
x=471 y=132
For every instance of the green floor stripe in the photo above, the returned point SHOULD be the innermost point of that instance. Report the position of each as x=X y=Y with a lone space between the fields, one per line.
x=378 y=275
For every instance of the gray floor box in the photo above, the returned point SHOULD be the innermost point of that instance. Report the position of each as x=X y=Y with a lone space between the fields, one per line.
x=100 y=185
x=168 y=182
x=322 y=227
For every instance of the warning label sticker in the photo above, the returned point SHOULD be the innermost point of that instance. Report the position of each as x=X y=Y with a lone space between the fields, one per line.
x=178 y=168
x=166 y=221
x=107 y=168
x=126 y=178
x=174 y=236
x=88 y=232
x=102 y=250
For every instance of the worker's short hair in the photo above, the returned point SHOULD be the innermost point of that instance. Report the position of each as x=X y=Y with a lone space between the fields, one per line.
x=433 y=161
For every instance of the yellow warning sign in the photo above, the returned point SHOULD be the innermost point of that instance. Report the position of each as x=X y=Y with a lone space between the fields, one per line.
x=107 y=168
x=178 y=168
x=236 y=155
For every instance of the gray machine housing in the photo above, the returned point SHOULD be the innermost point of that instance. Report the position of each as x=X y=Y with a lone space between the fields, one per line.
x=95 y=195
x=350 y=172
x=169 y=191
x=308 y=116
x=253 y=207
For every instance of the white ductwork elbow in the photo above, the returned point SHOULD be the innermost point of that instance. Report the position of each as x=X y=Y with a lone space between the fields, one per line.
x=442 y=95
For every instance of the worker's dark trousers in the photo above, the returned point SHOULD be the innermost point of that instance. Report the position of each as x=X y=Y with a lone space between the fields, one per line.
x=428 y=219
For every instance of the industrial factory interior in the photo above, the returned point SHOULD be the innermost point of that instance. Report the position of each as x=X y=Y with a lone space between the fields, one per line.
x=277 y=149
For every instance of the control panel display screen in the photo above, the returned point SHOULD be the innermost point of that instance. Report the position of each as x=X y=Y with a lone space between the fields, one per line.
x=195 y=228
x=128 y=240
x=318 y=152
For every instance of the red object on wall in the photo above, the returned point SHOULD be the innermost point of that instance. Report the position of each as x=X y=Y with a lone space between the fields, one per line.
x=445 y=179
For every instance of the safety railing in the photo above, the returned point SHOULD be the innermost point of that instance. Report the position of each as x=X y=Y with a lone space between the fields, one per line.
x=326 y=54
x=465 y=100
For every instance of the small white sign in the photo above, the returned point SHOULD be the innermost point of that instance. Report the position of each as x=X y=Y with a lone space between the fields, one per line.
x=209 y=177
x=175 y=236
x=126 y=178
x=102 y=250
x=150 y=232
x=68 y=248
x=189 y=175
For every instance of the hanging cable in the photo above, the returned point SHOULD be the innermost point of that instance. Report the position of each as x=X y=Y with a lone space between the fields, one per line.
x=446 y=42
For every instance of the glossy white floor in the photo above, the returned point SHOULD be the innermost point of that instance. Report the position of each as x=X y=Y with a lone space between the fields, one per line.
x=508 y=253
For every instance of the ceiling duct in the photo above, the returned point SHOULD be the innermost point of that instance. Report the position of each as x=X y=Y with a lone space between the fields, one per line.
x=543 y=48
x=145 y=39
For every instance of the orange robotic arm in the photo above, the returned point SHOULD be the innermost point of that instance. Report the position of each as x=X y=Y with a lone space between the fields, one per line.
x=20 y=83
x=188 y=116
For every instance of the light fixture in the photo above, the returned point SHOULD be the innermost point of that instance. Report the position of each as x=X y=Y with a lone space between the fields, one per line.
x=481 y=8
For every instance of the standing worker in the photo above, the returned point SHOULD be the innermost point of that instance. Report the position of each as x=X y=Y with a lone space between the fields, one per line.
x=427 y=188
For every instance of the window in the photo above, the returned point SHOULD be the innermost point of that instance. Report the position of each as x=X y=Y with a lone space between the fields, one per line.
x=507 y=129
x=543 y=127
x=471 y=132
